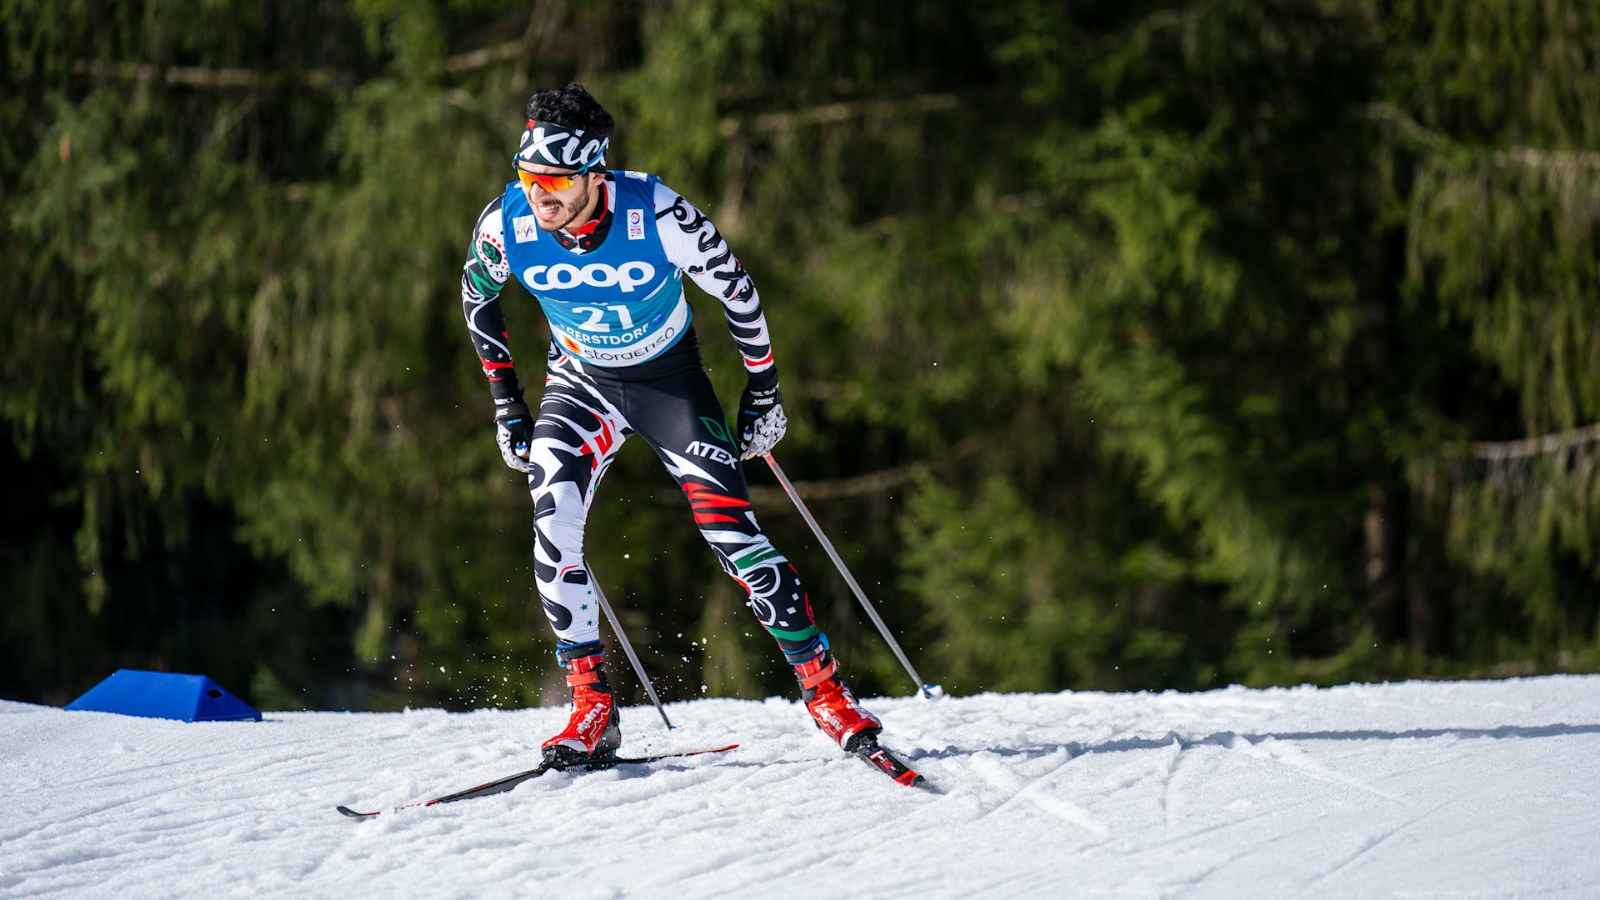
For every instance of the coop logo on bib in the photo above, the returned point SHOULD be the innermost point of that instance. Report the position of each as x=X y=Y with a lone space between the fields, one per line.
x=562 y=276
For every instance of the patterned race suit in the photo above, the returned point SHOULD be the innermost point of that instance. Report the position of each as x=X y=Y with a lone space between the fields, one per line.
x=625 y=360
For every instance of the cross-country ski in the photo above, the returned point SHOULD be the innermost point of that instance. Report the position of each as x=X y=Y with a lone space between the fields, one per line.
x=501 y=785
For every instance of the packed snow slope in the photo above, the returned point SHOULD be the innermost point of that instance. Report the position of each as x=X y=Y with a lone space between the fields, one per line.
x=1488 y=789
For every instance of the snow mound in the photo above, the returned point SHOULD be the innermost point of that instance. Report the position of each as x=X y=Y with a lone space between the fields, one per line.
x=1480 y=789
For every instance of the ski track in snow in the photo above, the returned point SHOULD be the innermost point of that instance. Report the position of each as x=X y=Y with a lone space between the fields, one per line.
x=1421 y=789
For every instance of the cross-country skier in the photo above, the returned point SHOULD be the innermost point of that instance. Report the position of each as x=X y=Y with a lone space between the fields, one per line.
x=605 y=252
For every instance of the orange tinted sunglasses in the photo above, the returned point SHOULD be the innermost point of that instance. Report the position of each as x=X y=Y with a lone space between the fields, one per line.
x=551 y=183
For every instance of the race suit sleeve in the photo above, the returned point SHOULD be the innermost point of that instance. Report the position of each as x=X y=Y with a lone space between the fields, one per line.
x=693 y=244
x=485 y=273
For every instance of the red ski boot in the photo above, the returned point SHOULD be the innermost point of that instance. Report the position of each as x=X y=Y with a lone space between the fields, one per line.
x=594 y=731
x=831 y=704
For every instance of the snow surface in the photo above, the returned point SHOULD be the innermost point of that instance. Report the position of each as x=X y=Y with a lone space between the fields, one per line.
x=1486 y=789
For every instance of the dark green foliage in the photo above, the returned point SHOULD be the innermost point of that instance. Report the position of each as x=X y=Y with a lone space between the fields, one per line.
x=1189 y=343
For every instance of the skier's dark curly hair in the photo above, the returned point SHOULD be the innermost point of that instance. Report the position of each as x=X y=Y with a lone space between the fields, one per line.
x=573 y=107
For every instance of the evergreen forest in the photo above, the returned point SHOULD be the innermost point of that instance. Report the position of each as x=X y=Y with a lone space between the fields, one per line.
x=1125 y=345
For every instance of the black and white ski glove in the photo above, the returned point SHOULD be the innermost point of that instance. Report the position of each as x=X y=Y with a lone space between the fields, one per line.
x=513 y=431
x=761 y=420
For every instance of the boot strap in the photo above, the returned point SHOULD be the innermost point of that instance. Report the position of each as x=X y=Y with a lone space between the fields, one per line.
x=818 y=676
x=585 y=670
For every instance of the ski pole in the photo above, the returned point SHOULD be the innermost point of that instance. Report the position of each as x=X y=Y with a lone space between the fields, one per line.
x=924 y=689
x=627 y=648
